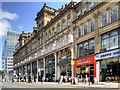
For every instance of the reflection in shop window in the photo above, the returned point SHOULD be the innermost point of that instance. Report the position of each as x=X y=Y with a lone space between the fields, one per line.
x=105 y=42
x=91 y=47
x=114 y=40
x=86 y=48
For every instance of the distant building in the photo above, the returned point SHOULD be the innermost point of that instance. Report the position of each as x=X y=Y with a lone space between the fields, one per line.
x=11 y=40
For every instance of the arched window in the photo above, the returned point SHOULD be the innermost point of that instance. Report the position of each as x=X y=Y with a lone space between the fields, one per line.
x=63 y=24
x=105 y=42
x=68 y=20
x=114 y=40
x=58 y=27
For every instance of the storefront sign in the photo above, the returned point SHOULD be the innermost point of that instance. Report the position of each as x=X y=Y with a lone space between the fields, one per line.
x=106 y=55
x=85 y=60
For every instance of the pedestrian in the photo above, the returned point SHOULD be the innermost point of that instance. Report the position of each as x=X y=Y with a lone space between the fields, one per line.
x=61 y=79
x=42 y=78
x=64 y=79
x=29 y=81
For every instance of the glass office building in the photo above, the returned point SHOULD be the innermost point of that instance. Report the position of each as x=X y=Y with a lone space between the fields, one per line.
x=11 y=40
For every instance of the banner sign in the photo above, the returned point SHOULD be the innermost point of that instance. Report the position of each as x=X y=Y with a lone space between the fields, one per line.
x=106 y=55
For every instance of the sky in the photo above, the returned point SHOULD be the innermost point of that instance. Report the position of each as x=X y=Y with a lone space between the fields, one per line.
x=19 y=16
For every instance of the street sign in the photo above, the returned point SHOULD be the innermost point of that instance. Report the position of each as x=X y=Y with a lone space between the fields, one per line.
x=72 y=62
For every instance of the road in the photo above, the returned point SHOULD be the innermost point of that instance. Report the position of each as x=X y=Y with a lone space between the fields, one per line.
x=44 y=86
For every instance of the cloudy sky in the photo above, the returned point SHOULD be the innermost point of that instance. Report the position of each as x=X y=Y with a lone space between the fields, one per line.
x=19 y=16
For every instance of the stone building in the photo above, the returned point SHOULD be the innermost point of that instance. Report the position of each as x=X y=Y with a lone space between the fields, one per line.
x=76 y=32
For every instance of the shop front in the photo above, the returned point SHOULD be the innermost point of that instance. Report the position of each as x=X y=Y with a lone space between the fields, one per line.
x=85 y=68
x=50 y=68
x=109 y=66
x=64 y=58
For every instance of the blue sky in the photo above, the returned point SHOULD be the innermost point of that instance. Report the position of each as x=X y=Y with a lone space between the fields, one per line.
x=19 y=16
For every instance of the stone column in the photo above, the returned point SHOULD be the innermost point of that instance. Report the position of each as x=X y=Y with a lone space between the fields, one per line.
x=55 y=54
x=97 y=37
x=108 y=15
x=72 y=58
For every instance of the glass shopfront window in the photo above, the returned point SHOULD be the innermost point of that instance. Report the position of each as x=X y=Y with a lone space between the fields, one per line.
x=109 y=71
x=111 y=40
x=105 y=42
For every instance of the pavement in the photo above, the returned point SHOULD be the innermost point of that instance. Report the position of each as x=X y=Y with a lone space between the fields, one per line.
x=81 y=86
x=86 y=85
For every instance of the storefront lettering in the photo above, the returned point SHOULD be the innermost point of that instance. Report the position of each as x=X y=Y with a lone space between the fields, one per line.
x=109 y=54
x=83 y=60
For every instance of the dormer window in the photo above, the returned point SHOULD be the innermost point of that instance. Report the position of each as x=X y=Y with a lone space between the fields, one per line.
x=78 y=13
x=91 y=5
x=84 y=10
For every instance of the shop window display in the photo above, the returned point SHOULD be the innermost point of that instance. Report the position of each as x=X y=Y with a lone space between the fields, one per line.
x=109 y=71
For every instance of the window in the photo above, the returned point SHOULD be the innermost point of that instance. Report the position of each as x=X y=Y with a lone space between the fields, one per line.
x=92 y=23
x=113 y=14
x=58 y=28
x=113 y=40
x=91 y=47
x=86 y=48
x=105 y=42
x=85 y=29
x=91 y=4
x=63 y=24
x=80 y=50
x=104 y=19
x=79 y=32
x=53 y=31
x=110 y=40
x=78 y=13
x=68 y=20
x=84 y=10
